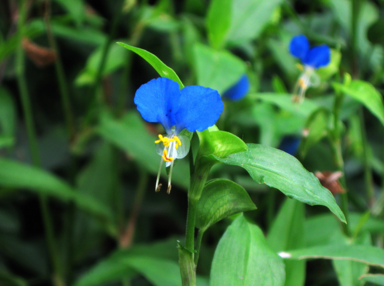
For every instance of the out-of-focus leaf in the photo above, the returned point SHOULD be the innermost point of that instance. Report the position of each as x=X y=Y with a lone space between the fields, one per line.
x=377 y=279
x=332 y=68
x=375 y=32
x=17 y=175
x=130 y=134
x=116 y=58
x=220 y=199
x=7 y=114
x=319 y=229
x=278 y=85
x=361 y=253
x=316 y=128
x=286 y=233
x=367 y=94
x=219 y=21
x=11 y=280
x=155 y=62
x=284 y=172
x=243 y=257
x=249 y=18
x=217 y=69
x=75 y=8
x=284 y=101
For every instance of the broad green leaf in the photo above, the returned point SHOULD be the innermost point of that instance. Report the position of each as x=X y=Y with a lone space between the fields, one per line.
x=116 y=58
x=284 y=172
x=7 y=113
x=284 y=101
x=286 y=233
x=319 y=229
x=332 y=68
x=218 y=22
x=361 y=253
x=249 y=18
x=220 y=143
x=220 y=199
x=377 y=279
x=316 y=128
x=243 y=258
x=155 y=62
x=367 y=94
x=217 y=69
x=130 y=135
x=17 y=175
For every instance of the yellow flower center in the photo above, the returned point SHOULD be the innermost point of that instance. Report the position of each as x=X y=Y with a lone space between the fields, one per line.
x=166 y=142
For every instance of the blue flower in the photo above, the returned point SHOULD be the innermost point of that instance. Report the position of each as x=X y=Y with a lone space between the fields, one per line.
x=194 y=108
x=238 y=90
x=290 y=144
x=312 y=58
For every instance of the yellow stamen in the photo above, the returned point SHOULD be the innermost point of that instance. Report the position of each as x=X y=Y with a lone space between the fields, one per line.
x=165 y=156
x=166 y=141
x=302 y=83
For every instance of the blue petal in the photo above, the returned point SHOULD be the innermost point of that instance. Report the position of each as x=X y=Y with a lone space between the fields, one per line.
x=319 y=56
x=200 y=107
x=299 y=47
x=290 y=144
x=157 y=101
x=239 y=90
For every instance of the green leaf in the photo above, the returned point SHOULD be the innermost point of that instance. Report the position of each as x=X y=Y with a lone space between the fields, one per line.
x=217 y=69
x=243 y=257
x=11 y=280
x=218 y=22
x=220 y=199
x=284 y=101
x=220 y=143
x=367 y=94
x=7 y=113
x=282 y=171
x=249 y=18
x=155 y=62
x=75 y=8
x=317 y=128
x=116 y=58
x=130 y=135
x=286 y=233
x=374 y=278
x=361 y=253
x=17 y=175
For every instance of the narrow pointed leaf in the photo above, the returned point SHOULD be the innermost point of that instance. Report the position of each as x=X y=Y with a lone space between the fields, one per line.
x=218 y=22
x=284 y=172
x=243 y=258
x=220 y=199
x=155 y=62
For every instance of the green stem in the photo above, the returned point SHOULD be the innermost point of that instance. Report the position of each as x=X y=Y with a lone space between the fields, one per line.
x=68 y=114
x=354 y=25
x=198 y=244
x=367 y=168
x=28 y=117
x=338 y=156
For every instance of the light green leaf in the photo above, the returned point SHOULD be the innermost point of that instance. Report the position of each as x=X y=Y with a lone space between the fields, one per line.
x=282 y=171
x=217 y=69
x=220 y=199
x=75 y=8
x=155 y=62
x=116 y=58
x=284 y=101
x=21 y=176
x=130 y=135
x=374 y=278
x=249 y=18
x=361 y=253
x=220 y=143
x=243 y=258
x=317 y=128
x=367 y=94
x=219 y=22
x=286 y=233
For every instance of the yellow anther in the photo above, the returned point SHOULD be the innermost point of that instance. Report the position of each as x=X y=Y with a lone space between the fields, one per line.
x=165 y=156
x=300 y=67
x=302 y=83
x=160 y=139
x=178 y=142
x=166 y=141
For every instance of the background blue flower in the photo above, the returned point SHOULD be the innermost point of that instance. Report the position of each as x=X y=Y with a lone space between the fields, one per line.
x=194 y=107
x=315 y=57
x=238 y=90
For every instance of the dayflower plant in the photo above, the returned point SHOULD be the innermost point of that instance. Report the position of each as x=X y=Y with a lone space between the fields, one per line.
x=312 y=59
x=238 y=90
x=194 y=108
